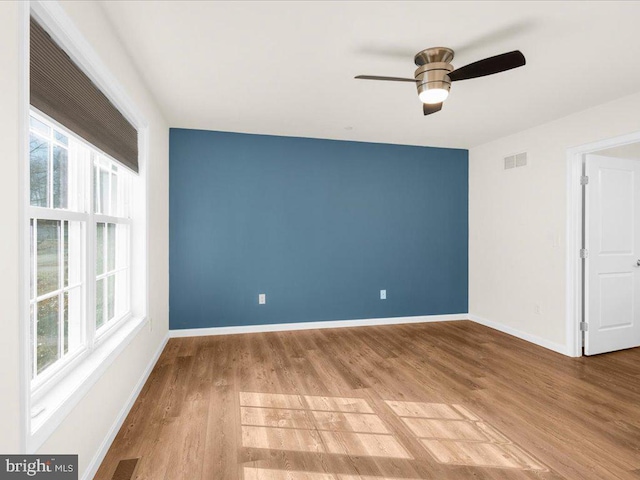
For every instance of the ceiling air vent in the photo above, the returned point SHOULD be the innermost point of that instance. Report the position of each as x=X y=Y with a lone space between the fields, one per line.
x=517 y=160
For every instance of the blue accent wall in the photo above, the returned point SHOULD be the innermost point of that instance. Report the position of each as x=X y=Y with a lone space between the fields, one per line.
x=320 y=226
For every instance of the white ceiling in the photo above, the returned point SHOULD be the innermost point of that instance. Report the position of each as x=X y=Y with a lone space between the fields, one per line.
x=287 y=68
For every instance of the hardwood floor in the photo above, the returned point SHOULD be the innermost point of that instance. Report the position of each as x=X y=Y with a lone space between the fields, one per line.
x=451 y=400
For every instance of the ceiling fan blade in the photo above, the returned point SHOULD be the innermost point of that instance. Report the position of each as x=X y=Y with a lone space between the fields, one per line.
x=489 y=66
x=428 y=108
x=384 y=50
x=388 y=79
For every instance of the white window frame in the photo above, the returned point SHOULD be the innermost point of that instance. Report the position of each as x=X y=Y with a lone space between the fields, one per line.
x=92 y=336
x=68 y=390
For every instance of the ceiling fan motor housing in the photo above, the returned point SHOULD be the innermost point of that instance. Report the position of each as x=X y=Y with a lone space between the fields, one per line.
x=433 y=75
x=433 y=69
x=433 y=55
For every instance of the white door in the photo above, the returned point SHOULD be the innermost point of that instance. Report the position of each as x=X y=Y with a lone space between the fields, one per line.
x=612 y=236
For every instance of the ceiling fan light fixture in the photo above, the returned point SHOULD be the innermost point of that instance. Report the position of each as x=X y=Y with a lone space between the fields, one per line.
x=433 y=95
x=432 y=80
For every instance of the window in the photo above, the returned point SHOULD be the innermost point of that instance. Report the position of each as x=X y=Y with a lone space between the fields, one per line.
x=80 y=243
x=83 y=232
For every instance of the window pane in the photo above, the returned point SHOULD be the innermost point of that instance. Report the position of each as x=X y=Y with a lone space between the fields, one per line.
x=111 y=296
x=100 y=248
x=37 y=125
x=114 y=195
x=66 y=323
x=38 y=171
x=61 y=138
x=111 y=242
x=47 y=343
x=48 y=256
x=97 y=208
x=73 y=318
x=60 y=177
x=125 y=194
x=121 y=293
x=74 y=263
x=32 y=338
x=65 y=253
x=104 y=192
x=122 y=247
x=59 y=319
x=100 y=303
x=32 y=260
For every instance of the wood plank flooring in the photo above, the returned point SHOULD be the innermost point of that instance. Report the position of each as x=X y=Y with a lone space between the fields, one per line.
x=452 y=400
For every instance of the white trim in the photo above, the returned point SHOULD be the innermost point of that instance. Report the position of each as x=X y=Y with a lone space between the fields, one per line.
x=542 y=342
x=56 y=373
x=143 y=171
x=95 y=462
x=24 y=293
x=63 y=398
x=99 y=218
x=281 y=327
x=575 y=157
x=574 y=244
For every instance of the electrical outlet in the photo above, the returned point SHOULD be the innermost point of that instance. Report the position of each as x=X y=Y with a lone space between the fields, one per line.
x=262 y=298
x=383 y=294
x=536 y=309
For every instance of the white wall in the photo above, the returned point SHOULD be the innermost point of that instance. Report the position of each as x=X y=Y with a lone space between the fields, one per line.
x=517 y=221
x=84 y=430
x=631 y=150
x=9 y=199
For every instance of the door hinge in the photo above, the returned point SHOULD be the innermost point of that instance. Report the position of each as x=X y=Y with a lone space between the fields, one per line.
x=584 y=253
x=584 y=180
x=584 y=327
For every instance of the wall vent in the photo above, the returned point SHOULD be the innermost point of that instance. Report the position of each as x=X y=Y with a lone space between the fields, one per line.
x=517 y=160
x=509 y=162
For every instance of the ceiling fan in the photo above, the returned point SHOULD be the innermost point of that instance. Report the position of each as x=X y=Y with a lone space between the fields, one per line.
x=435 y=73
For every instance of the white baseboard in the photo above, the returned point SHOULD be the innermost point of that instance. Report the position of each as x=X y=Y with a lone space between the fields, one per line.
x=556 y=347
x=93 y=466
x=280 y=327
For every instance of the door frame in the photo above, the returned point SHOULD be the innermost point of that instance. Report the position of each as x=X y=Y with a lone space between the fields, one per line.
x=574 y=270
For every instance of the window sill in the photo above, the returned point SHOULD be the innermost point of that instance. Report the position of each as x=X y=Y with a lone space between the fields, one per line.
x=60 y=400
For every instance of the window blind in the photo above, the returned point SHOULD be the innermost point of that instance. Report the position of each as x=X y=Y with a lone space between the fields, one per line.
x=62 y=91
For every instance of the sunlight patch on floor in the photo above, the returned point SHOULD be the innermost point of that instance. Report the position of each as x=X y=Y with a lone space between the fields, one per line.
x=251 y=473
x=363 y=444
x=335 y=425
x=338 y=404
x=350 y=422
x=282 y=439
x=424 y=410
x=272 y=417
x=273 y=400
x=478 y=454
x=453 y=435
